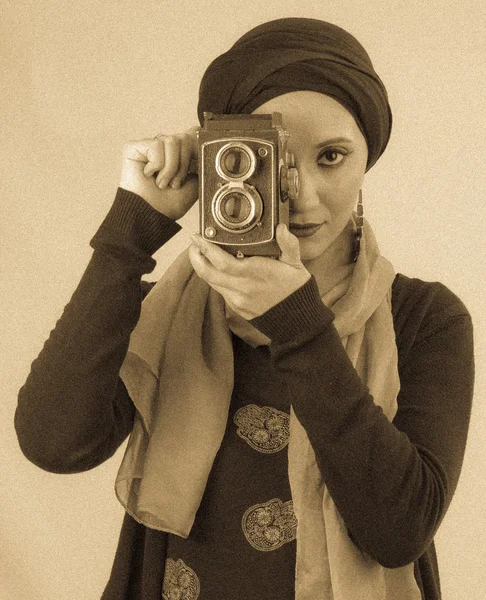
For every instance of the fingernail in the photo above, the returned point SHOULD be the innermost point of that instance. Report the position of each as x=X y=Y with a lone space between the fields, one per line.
x=176 y=184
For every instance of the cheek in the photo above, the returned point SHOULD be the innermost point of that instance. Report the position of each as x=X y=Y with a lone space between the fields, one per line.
x=345 y=183
x=341 y=193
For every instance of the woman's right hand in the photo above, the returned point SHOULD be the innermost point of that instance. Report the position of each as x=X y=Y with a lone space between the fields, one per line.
x=172 y=191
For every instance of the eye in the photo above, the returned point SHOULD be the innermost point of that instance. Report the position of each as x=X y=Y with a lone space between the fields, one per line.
x=331 y=157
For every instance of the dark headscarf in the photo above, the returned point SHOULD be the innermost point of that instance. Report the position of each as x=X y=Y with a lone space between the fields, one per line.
x=294 y=54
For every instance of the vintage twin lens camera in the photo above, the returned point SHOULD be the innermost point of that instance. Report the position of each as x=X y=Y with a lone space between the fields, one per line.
x=246 y=179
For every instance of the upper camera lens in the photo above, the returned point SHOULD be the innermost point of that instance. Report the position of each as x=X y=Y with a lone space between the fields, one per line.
x=235 y=162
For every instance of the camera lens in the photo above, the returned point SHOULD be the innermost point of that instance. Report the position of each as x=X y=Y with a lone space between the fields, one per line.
x=237 y=210
x=235 y=207
x=235 y=162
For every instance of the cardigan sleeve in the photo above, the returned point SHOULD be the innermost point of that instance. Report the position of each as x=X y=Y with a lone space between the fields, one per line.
x=73 y=411
x=391 y=482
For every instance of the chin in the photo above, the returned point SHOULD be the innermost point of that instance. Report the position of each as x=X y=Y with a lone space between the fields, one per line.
x=336 y=242
x=311 y=248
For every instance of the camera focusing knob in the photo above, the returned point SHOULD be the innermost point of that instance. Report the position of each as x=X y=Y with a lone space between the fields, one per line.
x=289 y=178
x=293 y=179
x=289 y=159
x=284 y=183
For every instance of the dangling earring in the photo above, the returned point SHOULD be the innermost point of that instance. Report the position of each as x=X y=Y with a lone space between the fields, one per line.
x=359 y=226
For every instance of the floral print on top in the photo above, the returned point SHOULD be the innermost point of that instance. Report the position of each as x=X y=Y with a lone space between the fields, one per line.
x=180 y=581
x=264 y=428
x=242 y=544
x=270 y=525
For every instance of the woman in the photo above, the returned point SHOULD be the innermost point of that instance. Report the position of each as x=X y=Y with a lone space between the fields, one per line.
x=297 y=426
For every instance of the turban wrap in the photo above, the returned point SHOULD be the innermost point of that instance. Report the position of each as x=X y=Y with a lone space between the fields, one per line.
x=295 y=54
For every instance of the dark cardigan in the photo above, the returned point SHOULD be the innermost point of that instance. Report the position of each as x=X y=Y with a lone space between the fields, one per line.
x=392 y=482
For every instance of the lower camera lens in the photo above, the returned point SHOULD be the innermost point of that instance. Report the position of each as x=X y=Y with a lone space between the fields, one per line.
x=235 y=207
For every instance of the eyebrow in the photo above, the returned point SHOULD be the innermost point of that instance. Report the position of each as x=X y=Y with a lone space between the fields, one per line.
x=336 y=140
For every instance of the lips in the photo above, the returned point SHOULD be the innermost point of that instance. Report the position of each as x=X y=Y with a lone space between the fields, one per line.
x=304 y=229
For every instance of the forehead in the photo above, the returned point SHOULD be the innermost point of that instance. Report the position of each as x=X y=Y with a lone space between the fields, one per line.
x=312 y=115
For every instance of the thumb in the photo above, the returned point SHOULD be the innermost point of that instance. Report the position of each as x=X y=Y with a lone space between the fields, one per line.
x=289 y=245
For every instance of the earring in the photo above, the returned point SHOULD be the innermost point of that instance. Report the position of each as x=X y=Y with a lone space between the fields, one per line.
x=359 y=226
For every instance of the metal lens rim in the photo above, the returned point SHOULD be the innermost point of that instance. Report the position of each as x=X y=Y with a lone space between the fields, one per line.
x=256 y=208
x=240 y=146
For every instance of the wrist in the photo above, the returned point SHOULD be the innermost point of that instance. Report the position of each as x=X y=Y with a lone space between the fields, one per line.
x=300 y=315
x=138 y=222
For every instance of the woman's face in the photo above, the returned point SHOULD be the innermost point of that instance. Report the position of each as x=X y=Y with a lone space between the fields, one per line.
x=331 y=156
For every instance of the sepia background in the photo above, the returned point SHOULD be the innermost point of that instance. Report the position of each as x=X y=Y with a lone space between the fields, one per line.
x=78 y=79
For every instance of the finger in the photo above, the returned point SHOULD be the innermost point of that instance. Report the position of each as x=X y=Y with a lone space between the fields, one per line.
x=171 y=163
x=185 y=159
x=289 y=245
x=207 y=271
x=137 y=150
x=155 y=157
x=220 y=259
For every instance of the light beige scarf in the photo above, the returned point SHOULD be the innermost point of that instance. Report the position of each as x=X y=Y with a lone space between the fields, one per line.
x=183 y=341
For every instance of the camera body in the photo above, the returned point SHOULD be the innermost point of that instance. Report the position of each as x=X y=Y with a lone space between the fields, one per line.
x=246 y=179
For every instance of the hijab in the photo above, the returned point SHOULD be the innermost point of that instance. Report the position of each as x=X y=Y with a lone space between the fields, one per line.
x=295 y=54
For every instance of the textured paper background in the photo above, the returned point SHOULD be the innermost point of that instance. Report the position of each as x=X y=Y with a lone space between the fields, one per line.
x=78 y=80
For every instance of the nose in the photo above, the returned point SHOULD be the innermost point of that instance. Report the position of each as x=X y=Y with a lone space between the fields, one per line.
x=307 y=197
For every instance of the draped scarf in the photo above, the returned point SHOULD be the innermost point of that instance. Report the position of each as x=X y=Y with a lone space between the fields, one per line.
x=179 y=374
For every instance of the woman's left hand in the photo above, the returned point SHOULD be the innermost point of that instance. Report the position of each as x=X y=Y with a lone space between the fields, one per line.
x=251 y=286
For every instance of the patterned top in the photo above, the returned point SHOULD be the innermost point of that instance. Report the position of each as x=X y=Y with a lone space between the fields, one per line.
x=242 y=545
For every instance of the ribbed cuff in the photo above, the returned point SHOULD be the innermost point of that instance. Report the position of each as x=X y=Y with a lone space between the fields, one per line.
x=300 y=315
x=137 y=220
